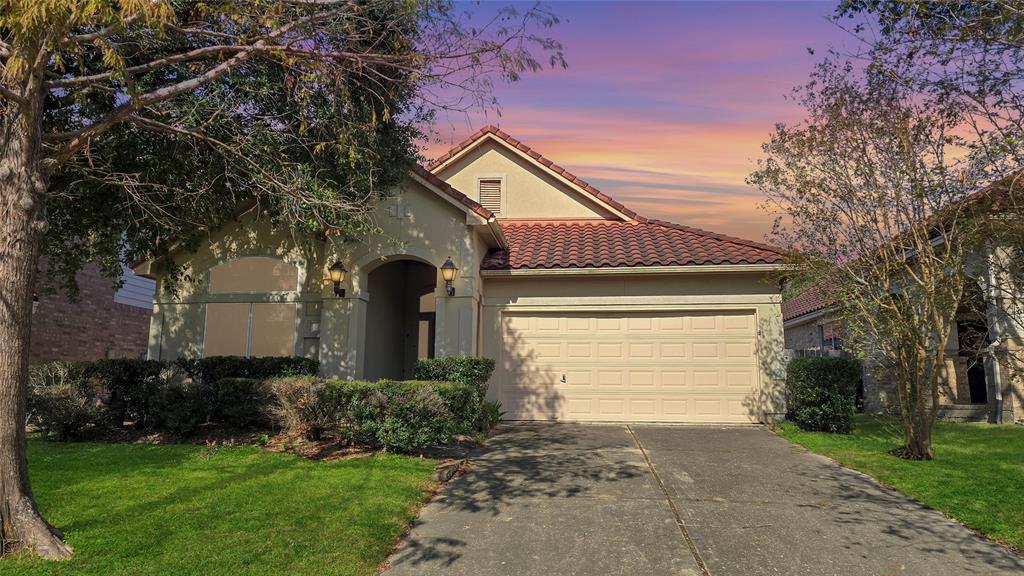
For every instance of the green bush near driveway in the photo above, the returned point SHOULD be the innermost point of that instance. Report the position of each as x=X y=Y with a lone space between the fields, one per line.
x=394 y=415
x=179 y=509
x=976 y=477
x=821 y=393
x=472 y=370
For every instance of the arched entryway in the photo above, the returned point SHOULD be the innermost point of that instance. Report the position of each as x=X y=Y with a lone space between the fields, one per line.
x=400 y=318
x=972 y=340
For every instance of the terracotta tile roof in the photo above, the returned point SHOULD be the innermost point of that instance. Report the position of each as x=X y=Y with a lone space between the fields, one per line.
x=810 y=300
x=469 y=142
x=459 y=197
x=614 y=244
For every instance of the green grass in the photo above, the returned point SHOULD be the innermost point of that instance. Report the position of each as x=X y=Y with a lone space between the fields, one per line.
x=977 y=476
x=181 y=510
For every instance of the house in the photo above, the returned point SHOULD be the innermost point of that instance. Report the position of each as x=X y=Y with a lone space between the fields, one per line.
x=592 y=312
x=102 y=322
x=984 y=353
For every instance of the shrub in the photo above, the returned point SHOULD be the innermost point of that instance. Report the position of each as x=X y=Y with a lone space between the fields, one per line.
x=238 y=402
x=179 y=407
x=399 y=416
x=63 y=403
x=305 y=405
x=214 y=368
x=130 y=384
x=463 y=403
x=490 y=414
x=474 y=371
x=821 y=393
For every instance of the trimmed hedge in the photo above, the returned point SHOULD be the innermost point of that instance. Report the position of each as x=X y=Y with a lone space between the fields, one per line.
x=77 y=400
x=822 y=393
x=238 y=402
x=474 y=371
x=398 y=416
x=214 y=368
x=394 y=415
x=175 y=397
x=130 y=384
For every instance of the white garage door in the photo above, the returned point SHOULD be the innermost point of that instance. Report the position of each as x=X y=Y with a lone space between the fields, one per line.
x=630 y=366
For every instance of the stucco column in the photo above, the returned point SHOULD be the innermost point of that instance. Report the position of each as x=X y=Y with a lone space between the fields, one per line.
x=771 y=401
x=456 y=325
x=342 y=323
x=156 y=320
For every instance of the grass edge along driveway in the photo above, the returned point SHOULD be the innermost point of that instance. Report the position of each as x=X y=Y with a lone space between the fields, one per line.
x=976 y=478
x=185 y=509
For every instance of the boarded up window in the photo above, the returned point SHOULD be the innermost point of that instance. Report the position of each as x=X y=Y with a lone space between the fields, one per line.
x=249 y=329
x=227 y=329
x=273 y=329
x=490 y=194
x=254 y=274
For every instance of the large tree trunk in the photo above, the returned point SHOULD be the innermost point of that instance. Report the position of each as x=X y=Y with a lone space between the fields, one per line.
x=22 y=225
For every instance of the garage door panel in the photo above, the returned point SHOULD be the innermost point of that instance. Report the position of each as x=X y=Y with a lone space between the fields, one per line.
x=675 y=367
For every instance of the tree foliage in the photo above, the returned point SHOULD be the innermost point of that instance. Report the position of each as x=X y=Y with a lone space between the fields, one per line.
x=163 y=118
x=131 y=126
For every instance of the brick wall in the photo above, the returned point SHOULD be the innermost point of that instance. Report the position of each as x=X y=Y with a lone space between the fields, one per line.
x=92 y=327
x=803 y=336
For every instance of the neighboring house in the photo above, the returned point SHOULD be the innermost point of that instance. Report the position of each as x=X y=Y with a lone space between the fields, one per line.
x=591 y=311
x=984 y=352
x=809 y=326
x=101 y=323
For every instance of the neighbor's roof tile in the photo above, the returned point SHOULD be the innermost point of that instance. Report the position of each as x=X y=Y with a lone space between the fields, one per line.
x=810 y=300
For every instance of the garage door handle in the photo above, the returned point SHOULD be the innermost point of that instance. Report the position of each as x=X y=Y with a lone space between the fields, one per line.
x=563 y=378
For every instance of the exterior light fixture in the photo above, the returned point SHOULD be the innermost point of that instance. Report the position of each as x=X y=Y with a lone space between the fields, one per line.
x=448 y=272
x=337 y=271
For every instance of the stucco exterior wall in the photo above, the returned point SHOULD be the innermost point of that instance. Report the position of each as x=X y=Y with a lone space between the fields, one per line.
x=179 y=311
x=529 y=192
x=414 y=224
x=648 y=292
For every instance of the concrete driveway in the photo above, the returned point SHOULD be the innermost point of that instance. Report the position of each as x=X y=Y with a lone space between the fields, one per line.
x=554 y=499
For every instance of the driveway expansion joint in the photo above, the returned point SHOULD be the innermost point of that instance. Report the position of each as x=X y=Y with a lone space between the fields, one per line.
x=672 y=505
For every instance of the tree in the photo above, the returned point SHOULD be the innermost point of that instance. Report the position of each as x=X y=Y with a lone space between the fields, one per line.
x=870 y=198
x=131 y=124
x=968 y=55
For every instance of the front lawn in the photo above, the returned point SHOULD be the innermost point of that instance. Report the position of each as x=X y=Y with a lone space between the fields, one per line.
x=977 y=476
x=183 y=510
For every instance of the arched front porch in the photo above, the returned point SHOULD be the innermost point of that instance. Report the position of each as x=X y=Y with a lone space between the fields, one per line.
x=401 y=318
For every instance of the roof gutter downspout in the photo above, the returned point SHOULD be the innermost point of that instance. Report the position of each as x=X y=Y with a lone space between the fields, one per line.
x=497 y=232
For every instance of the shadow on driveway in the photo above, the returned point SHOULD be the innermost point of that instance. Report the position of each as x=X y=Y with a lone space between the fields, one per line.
x=552 y=499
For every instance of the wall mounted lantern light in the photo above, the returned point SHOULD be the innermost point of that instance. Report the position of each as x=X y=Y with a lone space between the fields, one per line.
x=448 y=271
x=337 y=271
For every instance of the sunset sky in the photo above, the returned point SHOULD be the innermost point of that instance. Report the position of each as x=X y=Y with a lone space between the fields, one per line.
x=664 y=105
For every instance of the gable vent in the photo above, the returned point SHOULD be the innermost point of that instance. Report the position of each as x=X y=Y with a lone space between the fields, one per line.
x=490 y=194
